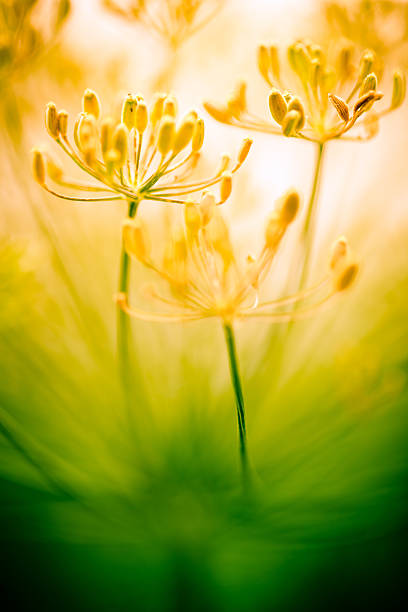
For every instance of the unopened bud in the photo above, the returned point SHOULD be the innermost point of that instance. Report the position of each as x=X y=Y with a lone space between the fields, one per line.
x=341 y=107
x=244 y=150
x=290 y=123
x=135 y=239
x=207 y=207
x=129 y=111
x=167 y=134
x=289 y=207
x=225 y=186
x=120 y=143
x=38 y=167
x=183 y=135
x=198 y=135
x=91 y=103
x=398 y=89
x=369 y=84
x=51 y=119
x=277 y=105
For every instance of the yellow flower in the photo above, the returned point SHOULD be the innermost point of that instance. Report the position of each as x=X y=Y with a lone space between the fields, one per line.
x=147 y=155
x=173 y=20
x=319 y=98
x=202 y=276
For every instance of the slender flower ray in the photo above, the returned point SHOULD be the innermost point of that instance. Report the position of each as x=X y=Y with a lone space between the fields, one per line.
x=202 y=278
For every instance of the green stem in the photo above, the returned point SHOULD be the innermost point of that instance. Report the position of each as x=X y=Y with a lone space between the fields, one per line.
x=123 y=323
x=239 y=398
x=310 y=219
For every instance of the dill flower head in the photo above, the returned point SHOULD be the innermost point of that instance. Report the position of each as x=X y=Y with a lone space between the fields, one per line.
x=172 y=20
x=319 y=97
x=201 y=276
x=24 y=33
x=381 y=25
x=145 y=155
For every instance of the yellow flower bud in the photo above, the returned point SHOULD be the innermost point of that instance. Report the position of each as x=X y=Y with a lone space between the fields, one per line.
x=225 y=186
x=129 y=111
x=38 y=167
x=290 y=123
x=341 y=107
x=244 y=150
x=369 y=84
x=51 y=119
x=141 y=117
x=183 y=135
x=289 y=207
x=198 y=135
x=167 y=134
x=207 y=207
x=346 y=276
x=63 y=123
x=135 y=239
x=156 y=110
x=120 y=143
x=277 y=105
x=264 y=63
x=91 y=104
x=398 y=89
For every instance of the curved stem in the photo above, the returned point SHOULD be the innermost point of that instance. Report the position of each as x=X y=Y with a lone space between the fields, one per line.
x=239 y=398
x=123 y=322
x=310 y=219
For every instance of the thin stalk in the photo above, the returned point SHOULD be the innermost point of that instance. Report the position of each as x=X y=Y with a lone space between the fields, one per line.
x=123 y=321
x=308 y=229
x=239 y=398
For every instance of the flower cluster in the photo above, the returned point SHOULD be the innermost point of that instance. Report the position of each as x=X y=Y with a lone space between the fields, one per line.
x=147 y=155
x=173 y=20
x=202 y=276
x=317 y=99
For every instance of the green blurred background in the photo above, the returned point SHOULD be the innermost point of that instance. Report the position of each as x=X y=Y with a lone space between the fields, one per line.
x=106 y=509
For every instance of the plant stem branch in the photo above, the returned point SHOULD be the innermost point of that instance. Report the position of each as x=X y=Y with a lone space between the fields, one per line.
x=239 y=398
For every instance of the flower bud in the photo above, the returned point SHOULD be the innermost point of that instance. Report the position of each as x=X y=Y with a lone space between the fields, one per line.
x=338 y=252
x=244 y=150
x=166 y=136
x=346 y=276
x=91 y=104
x=369 y=84
x=225 y=186
x=183 y=135
x=198 y=135
x=63 y=123
x=398 y=89
x=38 y=167
x=341 y=107
x=129 y=111
x=277 y=105
x=207 y=207
x=120 y=144
x=51 y=119
x=141 y=117
x=264 y=62
x=290 y=123
x=156 y=109
x=135 y=239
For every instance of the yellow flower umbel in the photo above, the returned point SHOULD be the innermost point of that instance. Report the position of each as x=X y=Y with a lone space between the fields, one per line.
x=146 y=155
x=201 y=277
x=172 y=20
x=317 y=99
